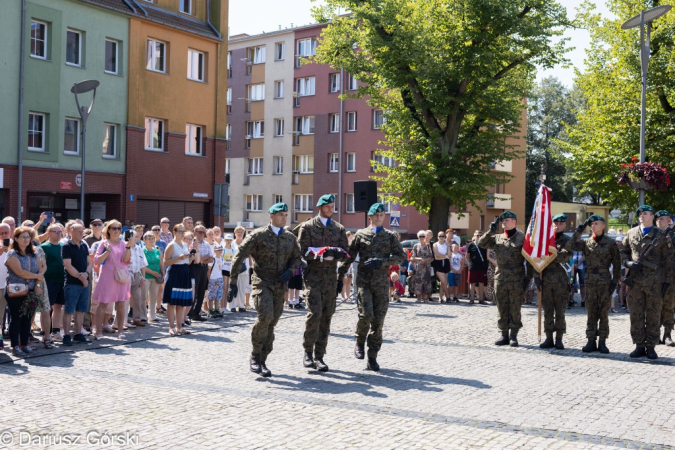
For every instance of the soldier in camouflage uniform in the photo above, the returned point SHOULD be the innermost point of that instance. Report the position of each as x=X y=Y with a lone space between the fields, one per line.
x=601 y=252
x=554 y=288
x=321 y=281
x=511 y=276
x=667 y=321
x=276 y=255
x=647 y=252
x=377 y=249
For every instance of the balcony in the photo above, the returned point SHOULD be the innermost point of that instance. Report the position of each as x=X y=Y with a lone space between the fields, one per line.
x=459 y=223
x=498 y=201
x=502 y=166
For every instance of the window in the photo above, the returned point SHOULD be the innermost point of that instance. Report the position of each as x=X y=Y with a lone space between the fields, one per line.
x=155 y=60
x=254 y=203
x=279 y=52
x=278 y=166
x=229 y=64
x=73 y=48
x=154 y=134
x=305 y=86
x=387 y=205
x=71 y=137
x=335 y=123
x=229 y=100
x=349 y=203
x=378 y=119
x=334 y=82
x=303 y=164
x=257 y=54
x=305 y=124
x=186 y=6
x=227 y=166
x=111 y=56
x=109 y=140
x=38 y=39
x=351 y=121
x=195 y=65
x=255 y=129
x=383 y=160
x=36 y=131
x=278 y=89
x=352 y=83
x=304 y=202
x=255 y=166
x=333 y=162
x=193 y=139
x=278 y=127
x=351 y=162
x=256 y=92
x=307 y=47
x=278 y=198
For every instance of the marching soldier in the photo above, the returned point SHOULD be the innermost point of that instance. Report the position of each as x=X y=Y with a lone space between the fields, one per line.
x=554 y=288
x=276 y=255
x=511 y=278
x=326 y=240
x=647 y=252
x=377 y=249
x=667 y=321
x=601 y=253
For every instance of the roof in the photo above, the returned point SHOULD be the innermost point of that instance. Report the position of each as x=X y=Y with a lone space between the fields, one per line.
x=245 y=37
x=116 y=5
x=178 y=21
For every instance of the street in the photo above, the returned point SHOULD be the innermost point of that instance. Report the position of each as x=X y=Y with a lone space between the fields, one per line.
x=443 y=385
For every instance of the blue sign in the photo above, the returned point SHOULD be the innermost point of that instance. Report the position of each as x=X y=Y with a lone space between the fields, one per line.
x=394 y=222
x=131 y=197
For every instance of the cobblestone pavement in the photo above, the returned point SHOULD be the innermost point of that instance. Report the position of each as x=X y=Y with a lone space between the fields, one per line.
x=443 y=385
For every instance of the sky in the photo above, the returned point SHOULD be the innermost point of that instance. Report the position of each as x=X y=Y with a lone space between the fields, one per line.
x=256 y=16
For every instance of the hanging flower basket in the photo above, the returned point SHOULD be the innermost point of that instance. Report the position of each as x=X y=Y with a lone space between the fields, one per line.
x=644 y=176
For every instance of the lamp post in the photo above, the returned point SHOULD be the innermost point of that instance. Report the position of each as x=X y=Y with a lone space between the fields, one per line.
x=81 y=88
x=644 y=20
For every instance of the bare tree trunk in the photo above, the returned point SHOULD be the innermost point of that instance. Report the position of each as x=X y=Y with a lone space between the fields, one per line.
x=438 y=214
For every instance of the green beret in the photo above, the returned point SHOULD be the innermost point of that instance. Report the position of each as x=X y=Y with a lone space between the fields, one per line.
x=279 y=207
x=644 y=208
x=595 y=218
x=507 y=215
x=376 y=208
x=662 y=213
x=326 y=200
x=560 y=218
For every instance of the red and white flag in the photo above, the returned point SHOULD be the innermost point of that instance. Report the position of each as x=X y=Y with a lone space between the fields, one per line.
x=539 y=247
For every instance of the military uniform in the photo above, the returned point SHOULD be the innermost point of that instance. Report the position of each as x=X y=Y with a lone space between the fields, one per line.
x=320 y=280
x=372 y=284
x=555 y=292
x=272 y=255
x=601 y=253
x=510 y=277
x=667 y=321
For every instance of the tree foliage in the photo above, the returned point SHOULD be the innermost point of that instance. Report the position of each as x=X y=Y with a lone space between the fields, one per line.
x=451 y=77
x=607 y=133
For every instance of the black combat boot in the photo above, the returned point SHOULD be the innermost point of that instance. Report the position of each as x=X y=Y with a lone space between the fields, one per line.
x=505 y=338
x=667 y=339
x=319 y=364
x=602 y=346
x=639 y=352
x=651 y=353
x=558 y=341
x=255 y=363
x=372 y=364
x=264 y=371
x=308 y=361
x=359 y=352
x=513 y=342
x=548 y=343
x=590 y=346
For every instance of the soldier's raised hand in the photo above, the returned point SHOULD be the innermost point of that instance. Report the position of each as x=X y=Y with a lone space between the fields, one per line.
x=582 y=227
x=493 y=225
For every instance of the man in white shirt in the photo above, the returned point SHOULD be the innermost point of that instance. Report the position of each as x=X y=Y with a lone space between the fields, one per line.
x=4 y=234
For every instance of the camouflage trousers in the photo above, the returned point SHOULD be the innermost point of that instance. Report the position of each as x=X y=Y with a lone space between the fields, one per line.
x=320 y=295
x=667 y=320
x=644 y=303
x=554 y=296
x=268 y=301
x=373 y=303
x=509 y=296
x=598 y=301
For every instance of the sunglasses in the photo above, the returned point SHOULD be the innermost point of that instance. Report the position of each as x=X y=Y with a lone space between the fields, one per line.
x=116 y=228
x=441 y=235
x=96 y=224
x=165 y=222
x=180 y=231
x=56 y=231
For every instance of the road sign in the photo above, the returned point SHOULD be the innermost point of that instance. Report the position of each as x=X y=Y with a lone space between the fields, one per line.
x=78 y=180
x=395 y=214
x=396 y=206
x=394 y=222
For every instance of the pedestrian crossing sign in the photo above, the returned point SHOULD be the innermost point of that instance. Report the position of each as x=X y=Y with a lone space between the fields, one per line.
x=394 y=222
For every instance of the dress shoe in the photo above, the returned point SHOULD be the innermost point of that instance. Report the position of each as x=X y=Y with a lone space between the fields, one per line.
x=602 y=346
x=264 y=371
x=548 y=343
x=504 y=339
x=590 y=346
x=255 y=363
x=199 y=318
x=138 y=323
x=651 y=353
x=639 y=352
x=372 y=364
x=308 y=361
x=359 y=352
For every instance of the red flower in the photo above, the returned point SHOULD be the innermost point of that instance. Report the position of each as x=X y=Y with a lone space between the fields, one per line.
x=633 y=159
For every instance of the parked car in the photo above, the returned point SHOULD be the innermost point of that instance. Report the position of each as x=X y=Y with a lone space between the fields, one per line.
x=409 y=244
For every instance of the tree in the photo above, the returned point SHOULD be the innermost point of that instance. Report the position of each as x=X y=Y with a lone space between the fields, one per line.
x=450 y=77
x=551 y=107
x=607 y=132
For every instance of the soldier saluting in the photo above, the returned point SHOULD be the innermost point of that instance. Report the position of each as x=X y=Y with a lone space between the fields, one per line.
x=377 y=249
x=276 y=255
x=601 y=253
x=511 y=278
x=667 y=321
x=323 y=242
x=647 y=253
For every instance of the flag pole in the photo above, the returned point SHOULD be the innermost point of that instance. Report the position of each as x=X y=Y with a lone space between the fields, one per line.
x=542 y=178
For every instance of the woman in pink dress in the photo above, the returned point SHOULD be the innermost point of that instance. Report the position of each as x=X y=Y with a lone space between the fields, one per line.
x=112 y=253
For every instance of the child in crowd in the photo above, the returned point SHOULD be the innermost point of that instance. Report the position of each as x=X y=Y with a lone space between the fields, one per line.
x=396 y=289
x=294 y=290
x=216 y=282
x=455 y=273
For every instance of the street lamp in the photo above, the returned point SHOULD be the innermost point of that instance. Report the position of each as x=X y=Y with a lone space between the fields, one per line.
x=642 y=19
x=81 y=88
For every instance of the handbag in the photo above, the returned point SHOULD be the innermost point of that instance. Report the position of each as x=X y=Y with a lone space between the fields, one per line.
x=121 y=275
x=160 y=279
x=17 y=290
